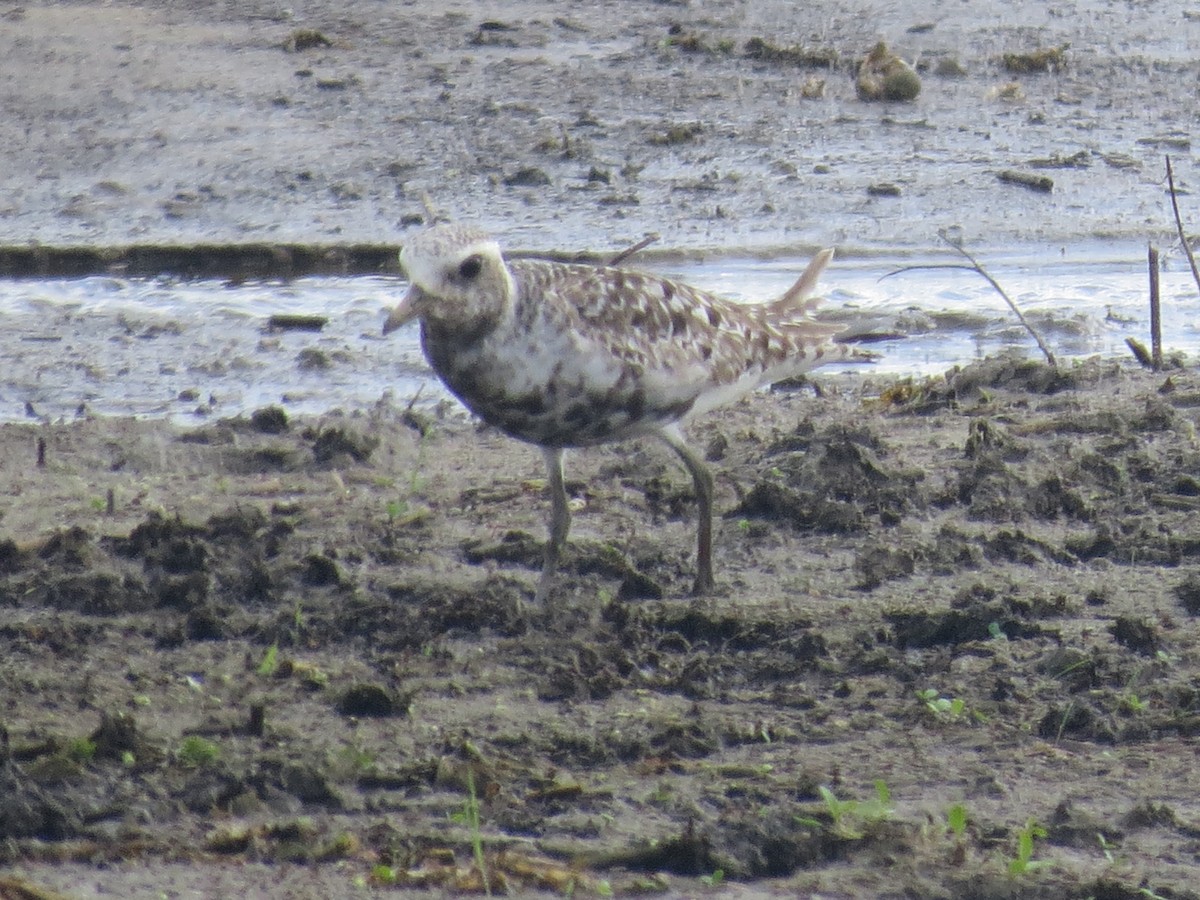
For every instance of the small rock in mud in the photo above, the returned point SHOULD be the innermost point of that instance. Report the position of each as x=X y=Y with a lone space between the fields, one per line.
x=1187 y=592
x=26 y=811
x=371 y=700
x=269 y=420
x=1076 y=720
x=320 y=571
x=330 y=443
x=309 y=786
x=1044 y=59
x=12 y=559
x=1070 y=666
x=310 y=359
x=206 y=623
x=677 y=134
x=1019 y=374
x=1074 y=827
x=975 y=622
x=881 y=563
x=1136 y=634
x=762 y=50
x=116 y=735
x=527 y=177
x=305 y=39
x=1043 y=184
x=70 y=547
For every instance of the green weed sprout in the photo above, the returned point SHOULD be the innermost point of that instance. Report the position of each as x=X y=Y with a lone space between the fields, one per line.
x=715 y=879
x=196 y=752
x=469 y=816
x=951 y=708
x=956 y=820
x=1024 y=862
x=849 y=818
x=270 y=662
x=942 y=707
x=81 y=750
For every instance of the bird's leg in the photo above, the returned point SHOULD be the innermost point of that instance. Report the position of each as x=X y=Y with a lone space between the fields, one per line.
x=704 y=499
x=560 y=521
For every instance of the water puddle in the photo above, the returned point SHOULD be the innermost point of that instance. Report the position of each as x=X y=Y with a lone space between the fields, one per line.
x=192 y=349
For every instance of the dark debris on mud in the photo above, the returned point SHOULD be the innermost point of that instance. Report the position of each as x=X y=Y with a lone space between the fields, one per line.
x=957 y=591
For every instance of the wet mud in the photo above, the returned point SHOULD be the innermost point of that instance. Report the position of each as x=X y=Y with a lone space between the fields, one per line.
x=949 y=613
x=953 y=649
x=733 y=127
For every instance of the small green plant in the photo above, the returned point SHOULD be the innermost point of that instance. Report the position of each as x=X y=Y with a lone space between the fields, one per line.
x=715 y=879
x=1133 y=703
x=848 y=818
x=196 y=752
x=1024 y=862
x=383 y=874
x=81 y=750
x=956 y=820
x=942 y=707
x=948 y=708
x=469 y=816
x=270 y=662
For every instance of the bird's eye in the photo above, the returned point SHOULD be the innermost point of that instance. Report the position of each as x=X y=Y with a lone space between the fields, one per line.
x=470 y=267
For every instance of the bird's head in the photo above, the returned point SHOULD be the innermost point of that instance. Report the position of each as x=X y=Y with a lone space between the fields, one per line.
x=458 y=279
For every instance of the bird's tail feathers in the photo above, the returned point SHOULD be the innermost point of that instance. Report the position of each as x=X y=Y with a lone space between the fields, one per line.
x=799 y=297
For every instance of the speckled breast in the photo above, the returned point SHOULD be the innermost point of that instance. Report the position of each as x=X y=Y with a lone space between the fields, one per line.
x=559 y=411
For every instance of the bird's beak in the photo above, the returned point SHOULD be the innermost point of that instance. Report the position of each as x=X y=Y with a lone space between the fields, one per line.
x=404 y=312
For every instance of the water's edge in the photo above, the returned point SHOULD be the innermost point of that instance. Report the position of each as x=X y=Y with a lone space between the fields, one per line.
x=194 y=348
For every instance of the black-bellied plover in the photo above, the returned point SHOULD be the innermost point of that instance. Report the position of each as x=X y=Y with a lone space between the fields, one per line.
x=562 y=355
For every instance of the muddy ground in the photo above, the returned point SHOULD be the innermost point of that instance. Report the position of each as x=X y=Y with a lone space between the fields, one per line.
x=301 y=643
x=265 y=657
x=722 y=126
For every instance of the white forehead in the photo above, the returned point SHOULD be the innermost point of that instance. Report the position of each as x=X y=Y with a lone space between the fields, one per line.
x=428 y=255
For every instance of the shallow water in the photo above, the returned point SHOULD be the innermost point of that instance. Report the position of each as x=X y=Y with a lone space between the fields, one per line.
x=192 y=349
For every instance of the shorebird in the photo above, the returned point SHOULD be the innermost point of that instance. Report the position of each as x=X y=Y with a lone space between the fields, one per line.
x=563 y=355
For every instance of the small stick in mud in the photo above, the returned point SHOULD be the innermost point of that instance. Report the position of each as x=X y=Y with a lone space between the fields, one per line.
x=1139 y=351
x=1155 y=311
x=630 y=251
x=1041 y=183
x=976 y=267
x=110 y=506
x=41 y=453
x=1187 y=248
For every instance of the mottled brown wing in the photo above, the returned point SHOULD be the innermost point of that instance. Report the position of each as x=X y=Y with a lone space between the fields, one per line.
x=678 y=332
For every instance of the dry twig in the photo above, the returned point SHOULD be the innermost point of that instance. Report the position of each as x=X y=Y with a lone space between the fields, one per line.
x=1187 y=248
x=1155 y=311
x=630 y=251
x=976 y=267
